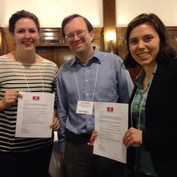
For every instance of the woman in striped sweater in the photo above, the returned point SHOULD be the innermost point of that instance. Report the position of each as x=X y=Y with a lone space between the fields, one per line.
x=24 y=70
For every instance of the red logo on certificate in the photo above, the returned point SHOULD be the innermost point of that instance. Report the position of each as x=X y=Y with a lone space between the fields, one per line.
x=36 y=98
x=110 y=109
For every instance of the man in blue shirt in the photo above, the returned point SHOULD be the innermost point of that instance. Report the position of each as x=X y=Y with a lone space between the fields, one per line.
x=92 y=76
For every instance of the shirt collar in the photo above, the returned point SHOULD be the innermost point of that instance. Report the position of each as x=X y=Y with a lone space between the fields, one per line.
x=96 y=57
x=141 y=76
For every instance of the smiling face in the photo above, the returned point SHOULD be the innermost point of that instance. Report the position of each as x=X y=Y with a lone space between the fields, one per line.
x=26 y=34
x=81 y=45
x=144 y=44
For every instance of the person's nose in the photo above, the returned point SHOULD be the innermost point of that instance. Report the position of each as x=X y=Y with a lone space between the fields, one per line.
x=75 y=37
x=27 y=34
x=141 y=44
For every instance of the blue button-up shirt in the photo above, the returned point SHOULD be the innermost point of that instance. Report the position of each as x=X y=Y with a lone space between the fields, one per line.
x=102 y=79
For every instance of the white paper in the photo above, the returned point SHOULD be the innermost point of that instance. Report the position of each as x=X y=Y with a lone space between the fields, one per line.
x=111 y=122
x=34 y=115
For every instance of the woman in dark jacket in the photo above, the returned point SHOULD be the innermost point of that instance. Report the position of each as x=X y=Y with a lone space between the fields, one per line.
x=152 y=135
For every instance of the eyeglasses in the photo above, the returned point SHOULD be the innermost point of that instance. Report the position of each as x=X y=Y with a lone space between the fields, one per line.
x=80 y=34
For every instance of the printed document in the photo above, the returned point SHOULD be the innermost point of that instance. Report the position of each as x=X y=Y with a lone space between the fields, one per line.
x=111 y=122
x=34 y=115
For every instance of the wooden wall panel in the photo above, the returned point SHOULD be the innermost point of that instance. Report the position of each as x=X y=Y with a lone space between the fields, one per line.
x=7 y=41
x=121 y=33
x=109 y=23
x=57 y=54
x=120 y=41
x=52 y=45
x=122 y=50
x=55 y=49
x=173 y=34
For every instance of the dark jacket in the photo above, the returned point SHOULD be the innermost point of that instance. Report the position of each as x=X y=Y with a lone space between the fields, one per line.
x=160 y=137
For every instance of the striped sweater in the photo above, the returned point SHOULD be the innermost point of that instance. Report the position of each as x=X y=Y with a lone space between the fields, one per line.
x=38 y=77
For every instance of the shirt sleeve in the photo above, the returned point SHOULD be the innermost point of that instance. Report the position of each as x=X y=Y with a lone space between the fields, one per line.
x=125 y=83
x=62 y=111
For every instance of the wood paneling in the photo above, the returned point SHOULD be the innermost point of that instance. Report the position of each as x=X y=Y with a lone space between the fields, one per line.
x=7 y=41
x=51 y=46
x=120 y=41
x=122 y=49
x=109 y=22
x=173 y=34
x=121 y=33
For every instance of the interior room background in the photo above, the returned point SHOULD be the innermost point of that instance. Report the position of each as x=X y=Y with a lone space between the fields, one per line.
x=52 y=12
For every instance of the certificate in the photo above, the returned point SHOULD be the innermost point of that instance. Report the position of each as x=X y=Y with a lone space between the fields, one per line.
x=34 y=115
x=111 y=122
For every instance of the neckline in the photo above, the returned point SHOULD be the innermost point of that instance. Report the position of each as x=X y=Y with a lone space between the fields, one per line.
x=23 y=70
x=16 y=58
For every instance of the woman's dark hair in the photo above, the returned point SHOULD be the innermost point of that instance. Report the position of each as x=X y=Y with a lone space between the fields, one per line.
x=71 y=17
x=22 y=14
x=166 y=48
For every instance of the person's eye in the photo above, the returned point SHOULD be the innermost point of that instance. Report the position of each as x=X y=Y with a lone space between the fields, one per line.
x=20 y=31
x=79 y=32
x=32 y=31
x=148 y=38
x=133 y=41
x=71 y=35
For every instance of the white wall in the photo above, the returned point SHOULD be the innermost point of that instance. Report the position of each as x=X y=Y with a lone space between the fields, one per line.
x=52 y=12
x=126 y=10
